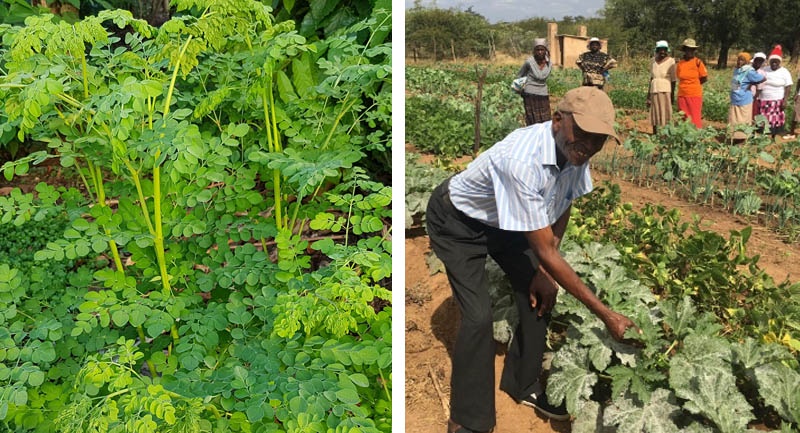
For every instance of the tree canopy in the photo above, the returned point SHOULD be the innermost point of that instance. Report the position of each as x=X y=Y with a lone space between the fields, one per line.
x=721 y=27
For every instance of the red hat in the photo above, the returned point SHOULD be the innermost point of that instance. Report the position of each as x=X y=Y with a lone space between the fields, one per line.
x=777 y=53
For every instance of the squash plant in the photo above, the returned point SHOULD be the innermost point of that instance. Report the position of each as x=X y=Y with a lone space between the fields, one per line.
x=229 y=252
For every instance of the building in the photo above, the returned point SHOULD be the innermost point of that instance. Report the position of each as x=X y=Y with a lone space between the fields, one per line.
x=565 y=49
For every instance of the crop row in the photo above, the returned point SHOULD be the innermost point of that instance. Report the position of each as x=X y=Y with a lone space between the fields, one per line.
x=758 y=178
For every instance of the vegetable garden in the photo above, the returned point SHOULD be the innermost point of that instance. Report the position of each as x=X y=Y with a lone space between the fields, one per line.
x=721 y=337
x=212 y=250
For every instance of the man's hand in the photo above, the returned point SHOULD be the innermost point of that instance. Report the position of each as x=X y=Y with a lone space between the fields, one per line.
x=617 y=324
x=543 y=292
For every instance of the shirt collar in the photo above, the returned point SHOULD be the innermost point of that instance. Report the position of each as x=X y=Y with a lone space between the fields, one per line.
x=549 y=147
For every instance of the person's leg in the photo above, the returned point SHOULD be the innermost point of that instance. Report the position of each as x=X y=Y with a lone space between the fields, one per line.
x=527 y=101
x=696 y=110
x=683 y=107
x=460 y=242
x=523 y=363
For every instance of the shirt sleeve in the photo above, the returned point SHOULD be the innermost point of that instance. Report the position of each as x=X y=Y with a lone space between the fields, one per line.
x=702 y=71
x=520 y=205
x=523 y=71
x=753 y=77
x=788 y=77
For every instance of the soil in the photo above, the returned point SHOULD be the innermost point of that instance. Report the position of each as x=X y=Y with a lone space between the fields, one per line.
x=432 y=317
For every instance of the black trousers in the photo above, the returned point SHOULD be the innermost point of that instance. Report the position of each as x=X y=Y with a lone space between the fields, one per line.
x=463 y=243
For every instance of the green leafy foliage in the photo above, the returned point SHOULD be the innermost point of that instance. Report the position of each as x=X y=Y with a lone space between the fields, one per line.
x=225 y=265
x=421 y=179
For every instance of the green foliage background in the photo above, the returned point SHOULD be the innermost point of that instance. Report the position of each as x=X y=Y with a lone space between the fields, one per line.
x=225 y=265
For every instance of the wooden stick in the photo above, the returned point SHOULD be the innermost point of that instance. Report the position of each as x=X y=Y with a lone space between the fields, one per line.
x=445 y=401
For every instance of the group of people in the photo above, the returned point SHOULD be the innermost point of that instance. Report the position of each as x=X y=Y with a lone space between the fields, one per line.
x=759 y=85
x=594 y=64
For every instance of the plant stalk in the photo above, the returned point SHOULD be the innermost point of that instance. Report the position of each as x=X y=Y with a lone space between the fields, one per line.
x=101 y=201
x=158 y=239
x=273 y=143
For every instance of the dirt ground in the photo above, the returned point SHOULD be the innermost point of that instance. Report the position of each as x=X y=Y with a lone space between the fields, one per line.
x=432 y=318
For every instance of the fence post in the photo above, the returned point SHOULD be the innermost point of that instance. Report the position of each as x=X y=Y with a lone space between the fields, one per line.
x=476 y=145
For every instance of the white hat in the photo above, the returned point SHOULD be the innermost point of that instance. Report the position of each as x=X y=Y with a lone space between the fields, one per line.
x=759 y=55
x=662 y=44
x=594 y=40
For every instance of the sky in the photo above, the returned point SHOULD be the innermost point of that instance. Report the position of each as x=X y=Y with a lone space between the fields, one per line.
x=516 y=10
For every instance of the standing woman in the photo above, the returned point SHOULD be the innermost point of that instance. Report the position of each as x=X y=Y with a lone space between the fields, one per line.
x=662 y=86
x=535 y=95
x=692 y=73
x=741 y=109
x=758 y=65
x=774 y=94
x=595 y=64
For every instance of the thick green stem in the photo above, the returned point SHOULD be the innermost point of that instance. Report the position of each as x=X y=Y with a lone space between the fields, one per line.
x=101 y=201
x=171 y=90
x=158 y=239
x=150 y=365
x=273 y=144
x=140 y=192
x=173 y=331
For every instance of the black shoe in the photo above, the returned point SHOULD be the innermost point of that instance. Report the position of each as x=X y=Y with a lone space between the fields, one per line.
x=456 y=428
x=540 y=403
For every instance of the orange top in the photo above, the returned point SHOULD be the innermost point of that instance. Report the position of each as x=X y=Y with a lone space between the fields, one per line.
x=689 y=73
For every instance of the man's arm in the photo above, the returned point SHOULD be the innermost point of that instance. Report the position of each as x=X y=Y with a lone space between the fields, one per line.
x=543 y=288
x=544 y=243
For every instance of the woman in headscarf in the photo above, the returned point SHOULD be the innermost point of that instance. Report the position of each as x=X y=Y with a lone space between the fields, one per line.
x=741 y=108
x=595 y=64
x=535 y=95
x=692 y=73
x=662 y=86
x=774 y=93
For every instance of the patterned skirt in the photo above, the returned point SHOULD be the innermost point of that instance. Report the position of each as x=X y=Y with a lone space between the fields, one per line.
x=773 y=111
x=537 y=108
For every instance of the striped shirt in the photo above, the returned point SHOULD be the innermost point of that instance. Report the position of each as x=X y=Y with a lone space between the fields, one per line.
x=516 y=184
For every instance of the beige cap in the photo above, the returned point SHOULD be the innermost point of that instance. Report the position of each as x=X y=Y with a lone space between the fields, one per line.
x=689 y=43
x=592 y=110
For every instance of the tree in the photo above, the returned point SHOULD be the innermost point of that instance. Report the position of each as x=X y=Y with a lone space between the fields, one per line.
x=779 y=16
x=439 y=33
x=727 y=23
x=642 y=22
